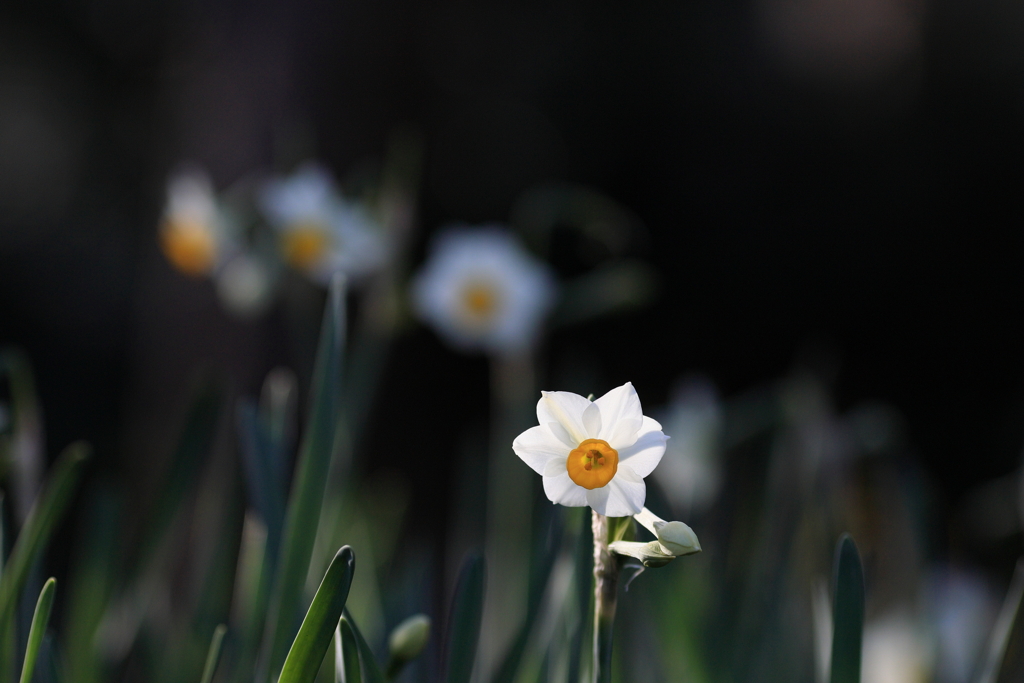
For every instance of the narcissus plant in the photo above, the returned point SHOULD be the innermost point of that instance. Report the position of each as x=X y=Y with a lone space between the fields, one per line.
x=594 y=453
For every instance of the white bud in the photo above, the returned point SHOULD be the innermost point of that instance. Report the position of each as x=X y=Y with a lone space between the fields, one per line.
x=675 y=538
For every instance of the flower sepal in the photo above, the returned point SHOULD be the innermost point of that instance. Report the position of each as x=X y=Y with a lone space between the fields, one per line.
x=650 y=554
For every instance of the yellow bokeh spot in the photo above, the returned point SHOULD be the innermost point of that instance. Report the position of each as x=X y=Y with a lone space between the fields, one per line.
x=304 y=244
x=592 y=464
x=189 y=245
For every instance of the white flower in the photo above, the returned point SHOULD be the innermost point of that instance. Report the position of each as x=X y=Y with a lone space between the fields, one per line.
x=193 y=231
x=321 y=232
x=481 y=290
x=593 y=453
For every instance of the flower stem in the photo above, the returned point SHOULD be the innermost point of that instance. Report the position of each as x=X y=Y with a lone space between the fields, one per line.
x=606 y=582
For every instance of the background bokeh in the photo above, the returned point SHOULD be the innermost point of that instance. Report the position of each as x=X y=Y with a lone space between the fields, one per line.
x=823 y=183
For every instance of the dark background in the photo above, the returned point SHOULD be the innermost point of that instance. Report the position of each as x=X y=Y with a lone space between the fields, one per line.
x=817 y=174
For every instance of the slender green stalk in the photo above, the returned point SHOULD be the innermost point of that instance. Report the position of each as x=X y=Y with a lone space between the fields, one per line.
x=606 y=583
x=40 y=619
x=213 y=655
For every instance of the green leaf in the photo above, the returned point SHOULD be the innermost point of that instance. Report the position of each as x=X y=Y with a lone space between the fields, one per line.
x=190 y=453
x=370 y=668
x=303 y=514
x=464 y=621
x=40 y=619
x=314 y=637
x=213 y=656
x=847 y=613
x=346 y=662
x=39 y=526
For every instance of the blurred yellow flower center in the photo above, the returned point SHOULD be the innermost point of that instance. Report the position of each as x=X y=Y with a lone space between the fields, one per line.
x=592 y=464
x=189 y=245
x=480 y=301
x=304 y=244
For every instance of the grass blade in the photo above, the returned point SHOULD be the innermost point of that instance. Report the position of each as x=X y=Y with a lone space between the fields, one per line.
x=370 y=668
x=346 y=654
x=464 y=621
x=213 y=656
x=314 y=637
x=40 y=619
x=190 y=452
x=303 y=513
x=847 y=613
x=39 y=526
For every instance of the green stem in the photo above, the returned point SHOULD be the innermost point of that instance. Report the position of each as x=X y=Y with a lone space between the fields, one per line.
x=606 y=582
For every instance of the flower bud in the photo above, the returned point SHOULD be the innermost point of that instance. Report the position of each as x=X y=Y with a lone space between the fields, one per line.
x=409 y=638
x=675 y=538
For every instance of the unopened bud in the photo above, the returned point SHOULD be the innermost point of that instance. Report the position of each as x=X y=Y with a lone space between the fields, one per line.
x=409 y=638
x=675 y=538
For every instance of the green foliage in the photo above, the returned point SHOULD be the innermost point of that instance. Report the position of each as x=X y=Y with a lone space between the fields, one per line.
x=346 y=668
x=847 y=613
x=213 y=656
x=314 y=637
x=40 y=619
x=464 y=621
x=369 y=666
x=42 y=520
x=307 y=493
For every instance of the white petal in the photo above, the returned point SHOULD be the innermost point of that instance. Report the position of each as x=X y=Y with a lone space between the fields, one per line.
x=598 y=499
x=536 y=446
x=559 y=433
x=555 y=467
x=565 y=491
x=592 y=421
x=627 y=495
x=622 y=497
x=621 y=416
x=645 y=454
x=566 y=409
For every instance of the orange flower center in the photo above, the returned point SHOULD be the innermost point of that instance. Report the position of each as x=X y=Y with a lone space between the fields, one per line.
x=189 y=246
x=304 y=244
x=592 y=464
x=480 y=302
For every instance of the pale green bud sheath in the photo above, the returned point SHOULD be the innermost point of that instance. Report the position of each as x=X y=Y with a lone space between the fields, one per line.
x=676 y=538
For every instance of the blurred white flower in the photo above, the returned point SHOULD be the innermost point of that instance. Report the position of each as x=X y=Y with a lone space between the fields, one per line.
x=691 y=473
x=593 y=453
x=895 y=650
x=963 y=608
x=245 y=285
x=321 y=232
x=193 y=230
x=481 y=290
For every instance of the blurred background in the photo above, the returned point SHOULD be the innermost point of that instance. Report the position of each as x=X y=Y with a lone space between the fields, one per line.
x=825 y=190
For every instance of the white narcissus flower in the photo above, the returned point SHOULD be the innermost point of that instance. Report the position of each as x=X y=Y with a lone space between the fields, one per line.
x=321 y=232
x=482 y=291
x=593 y=453
x=193 y=234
